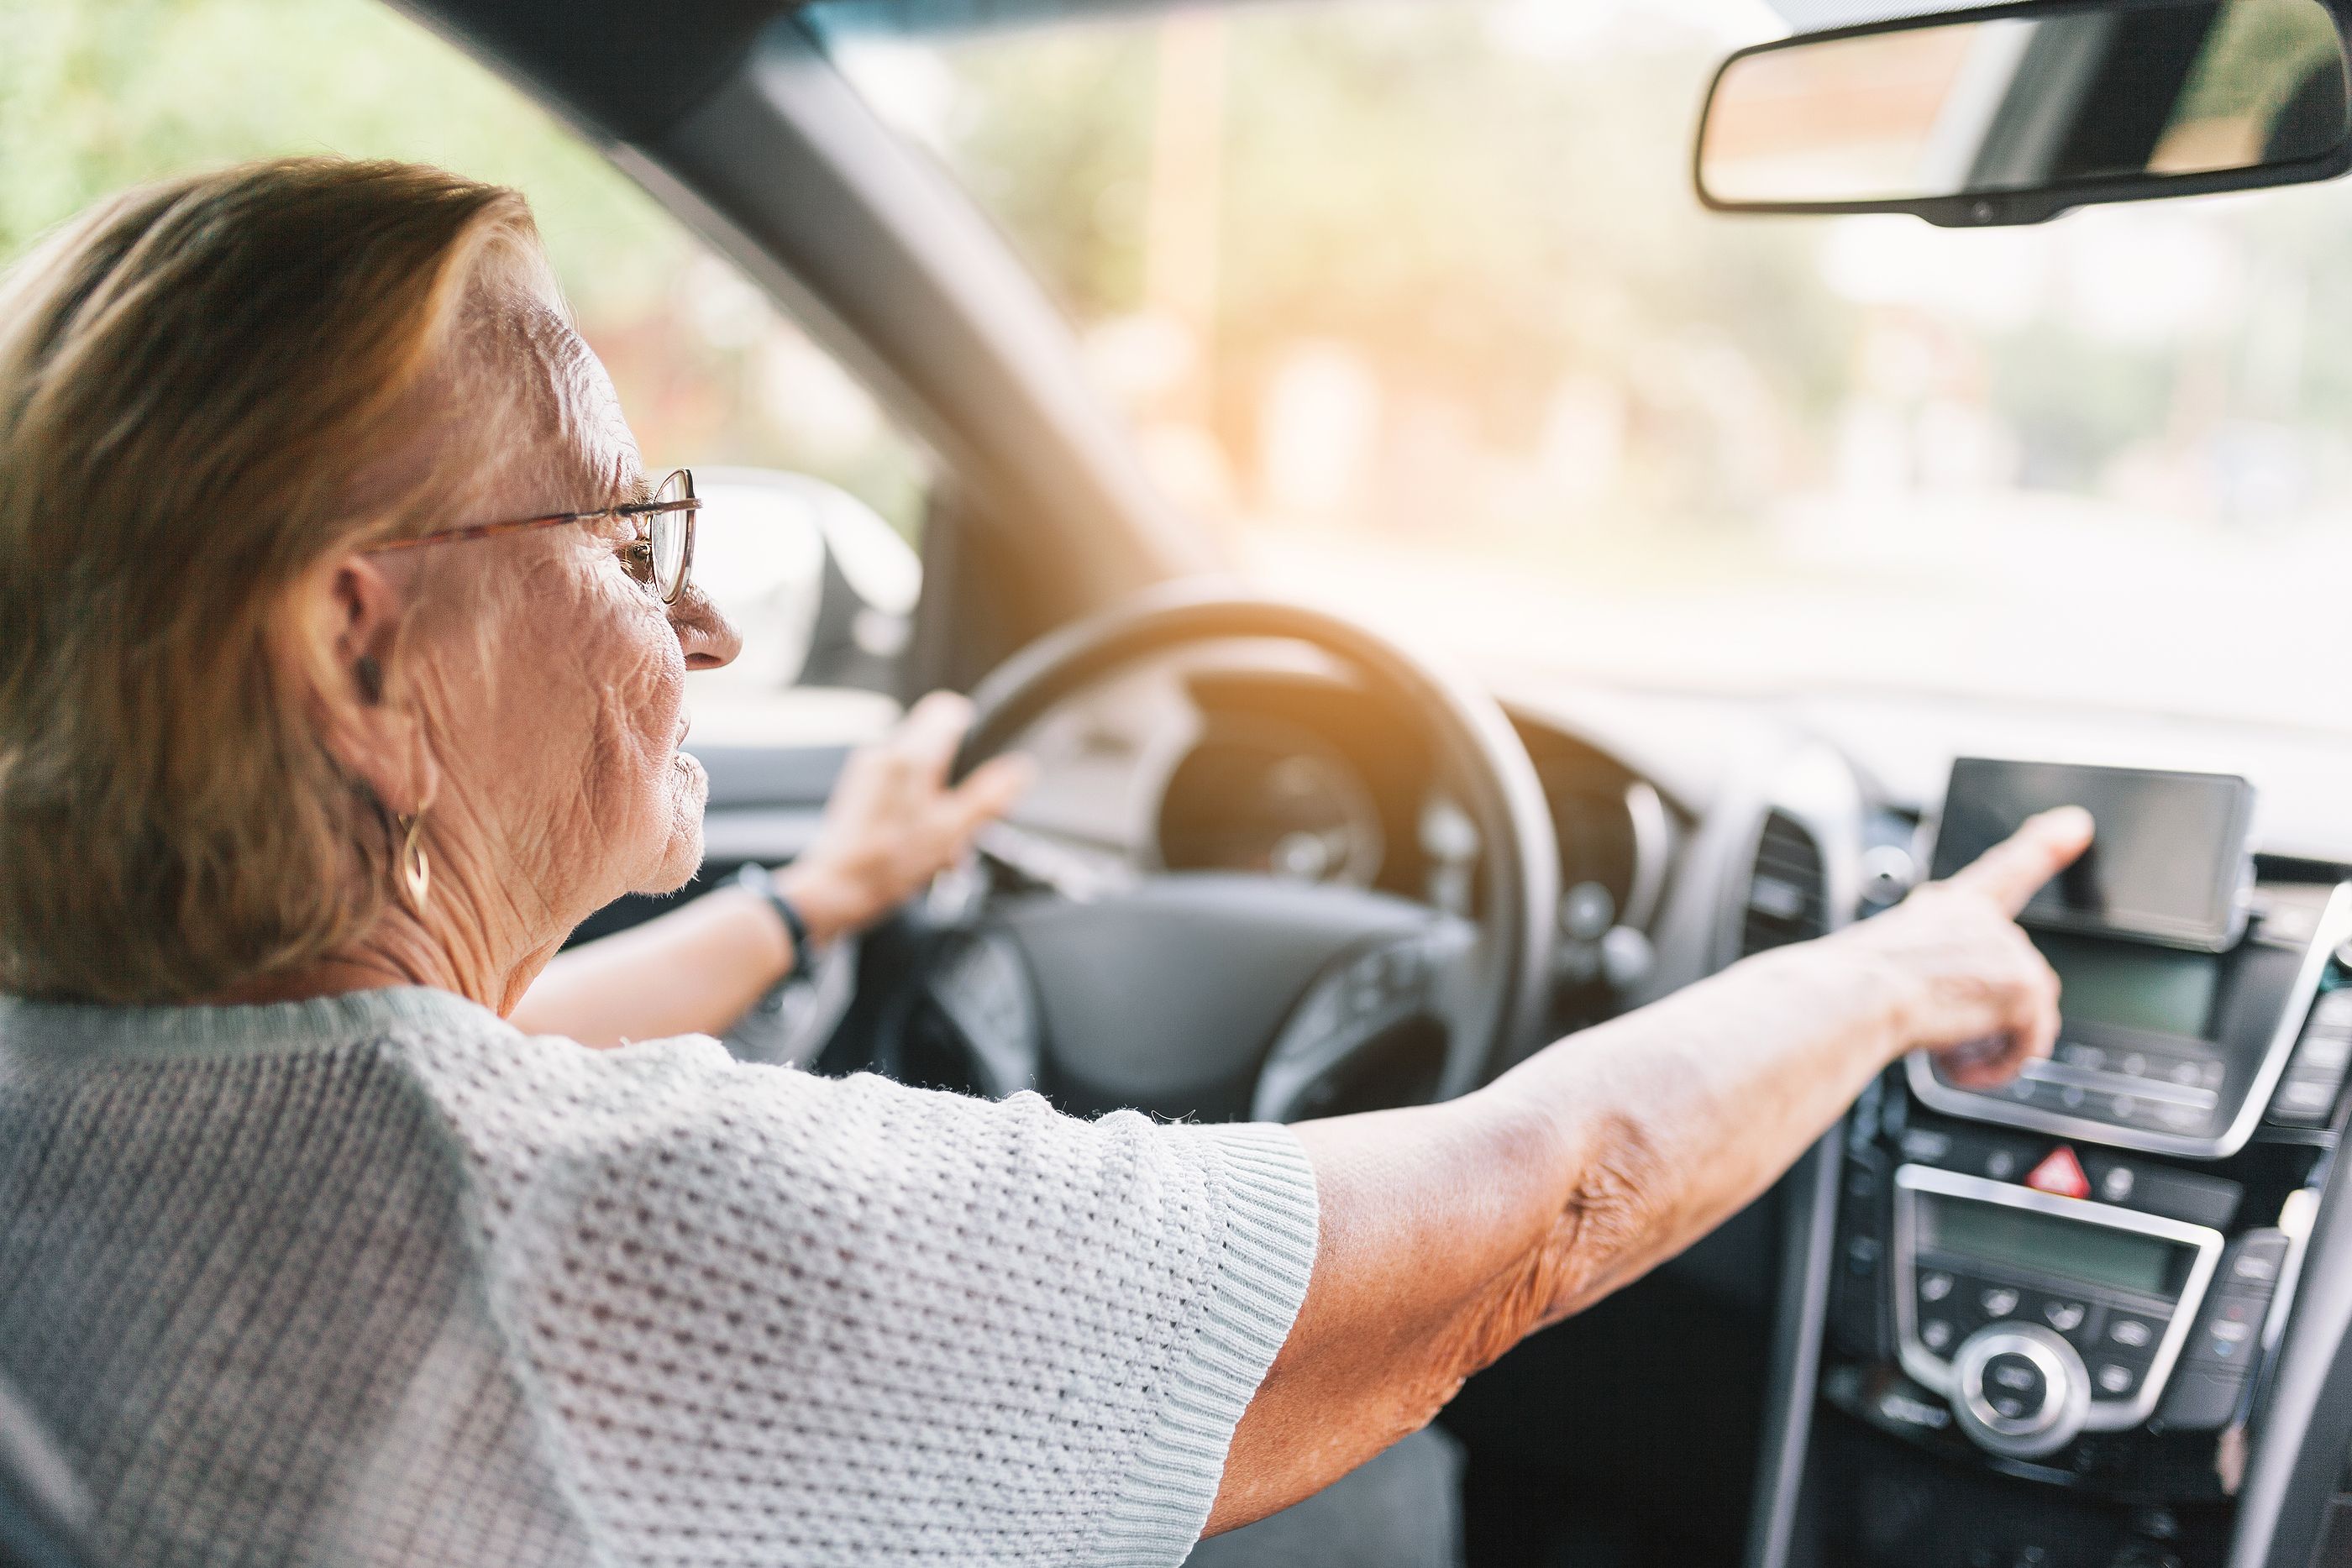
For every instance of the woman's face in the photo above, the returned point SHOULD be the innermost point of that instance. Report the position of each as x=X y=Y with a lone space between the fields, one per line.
x=558 y=687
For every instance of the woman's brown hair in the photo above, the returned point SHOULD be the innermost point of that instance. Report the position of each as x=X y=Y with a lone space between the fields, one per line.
x=205 y=389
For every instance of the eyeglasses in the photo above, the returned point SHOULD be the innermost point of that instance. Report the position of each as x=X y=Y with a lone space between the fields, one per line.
x=663 y=551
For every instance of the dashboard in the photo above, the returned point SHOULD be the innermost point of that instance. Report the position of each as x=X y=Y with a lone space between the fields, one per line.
x=1260 y=756
x=2097 y=1319
x=2073 y=1321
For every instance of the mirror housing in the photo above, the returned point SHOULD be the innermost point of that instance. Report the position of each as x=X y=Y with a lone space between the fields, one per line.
x=823 y=590
x=2015 y=113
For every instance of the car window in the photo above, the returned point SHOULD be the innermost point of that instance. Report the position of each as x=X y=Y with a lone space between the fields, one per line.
x=1417 y=303
x=95 y=98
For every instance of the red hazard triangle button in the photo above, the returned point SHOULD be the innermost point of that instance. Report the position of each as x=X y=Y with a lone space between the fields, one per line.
x=2060 y=1174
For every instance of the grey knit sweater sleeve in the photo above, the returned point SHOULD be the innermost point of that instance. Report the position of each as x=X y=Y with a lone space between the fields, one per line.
x=792 y=1319
x=375 y=1279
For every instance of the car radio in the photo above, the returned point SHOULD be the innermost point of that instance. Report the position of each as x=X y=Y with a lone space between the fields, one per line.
x=2183 y=994
x=2176 y=1051
x=2040 y=1316
x=2074 y=1284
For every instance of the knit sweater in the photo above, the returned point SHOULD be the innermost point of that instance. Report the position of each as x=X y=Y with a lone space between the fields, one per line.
x=380 y=1280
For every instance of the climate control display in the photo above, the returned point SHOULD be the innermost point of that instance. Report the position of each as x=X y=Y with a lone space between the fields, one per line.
x=2039 y=1315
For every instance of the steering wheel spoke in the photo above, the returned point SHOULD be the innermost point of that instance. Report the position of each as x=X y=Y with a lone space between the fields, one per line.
x=1037 y=861
x=1328 y=1049
x=979 y=982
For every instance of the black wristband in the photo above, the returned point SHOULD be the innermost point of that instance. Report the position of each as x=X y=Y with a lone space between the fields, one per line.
x=756 y=878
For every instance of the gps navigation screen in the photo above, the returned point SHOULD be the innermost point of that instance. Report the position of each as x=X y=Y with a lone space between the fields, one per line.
x=2165 y=864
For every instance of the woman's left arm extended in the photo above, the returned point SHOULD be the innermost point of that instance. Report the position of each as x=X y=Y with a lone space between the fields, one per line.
x=891 y=825
x=1449 y=1232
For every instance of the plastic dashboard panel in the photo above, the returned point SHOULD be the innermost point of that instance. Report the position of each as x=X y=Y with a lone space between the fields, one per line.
x=1935 y=1373
x=2335 y=926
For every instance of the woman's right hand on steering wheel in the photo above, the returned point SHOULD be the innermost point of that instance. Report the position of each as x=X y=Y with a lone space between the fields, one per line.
x=894 y=822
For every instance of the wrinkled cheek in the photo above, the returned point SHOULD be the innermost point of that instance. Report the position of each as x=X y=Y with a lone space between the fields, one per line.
x=643 y=784
x=570 y=696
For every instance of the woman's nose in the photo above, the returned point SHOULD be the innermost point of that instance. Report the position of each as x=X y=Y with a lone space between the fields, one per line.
x=709 y=638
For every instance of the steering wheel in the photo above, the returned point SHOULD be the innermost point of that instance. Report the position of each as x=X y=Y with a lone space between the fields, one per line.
x=1216 y=994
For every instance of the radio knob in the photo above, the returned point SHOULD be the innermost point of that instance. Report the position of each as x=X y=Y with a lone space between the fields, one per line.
x=2019 y=1390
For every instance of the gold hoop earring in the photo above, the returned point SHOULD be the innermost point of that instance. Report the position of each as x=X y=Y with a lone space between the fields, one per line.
x=415 y=871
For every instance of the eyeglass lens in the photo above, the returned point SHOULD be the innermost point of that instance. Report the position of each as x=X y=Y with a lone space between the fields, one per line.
x=669 y=540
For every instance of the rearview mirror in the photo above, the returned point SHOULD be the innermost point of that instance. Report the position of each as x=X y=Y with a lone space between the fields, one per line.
x=2014 y=114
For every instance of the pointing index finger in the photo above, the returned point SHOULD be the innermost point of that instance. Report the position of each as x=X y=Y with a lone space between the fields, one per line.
x=2013 y=871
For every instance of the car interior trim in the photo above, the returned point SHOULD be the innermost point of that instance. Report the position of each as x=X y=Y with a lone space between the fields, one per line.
x=2302 y=1425
x=1817 y=788
x=1653 y=844
x=1808 y=1246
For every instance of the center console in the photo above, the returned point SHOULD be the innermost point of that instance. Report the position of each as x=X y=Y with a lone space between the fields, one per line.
x=2050 y=1307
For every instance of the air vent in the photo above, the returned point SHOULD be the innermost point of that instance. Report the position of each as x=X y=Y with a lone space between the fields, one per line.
x=1786 y=899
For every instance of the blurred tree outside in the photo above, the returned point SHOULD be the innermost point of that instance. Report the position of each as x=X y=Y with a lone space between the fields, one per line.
x=1481 y=213
x=1461 y=349
x=94 y=98
x=1376 y=274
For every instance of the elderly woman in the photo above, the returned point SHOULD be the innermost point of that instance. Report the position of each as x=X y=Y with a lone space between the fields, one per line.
x=343 y=647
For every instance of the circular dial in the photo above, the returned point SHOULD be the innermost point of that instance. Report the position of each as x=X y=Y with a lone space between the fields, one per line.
x=1266 y=798
x=2018 y=1389
x=1607 y=869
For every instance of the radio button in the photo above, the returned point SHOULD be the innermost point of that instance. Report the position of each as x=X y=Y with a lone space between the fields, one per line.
x=1924 y=1145
x=2305 y=1100
x=2060 y=1174
x=2324 y=1052
x=2014 y=1386
x=2226 y=1337
x=2018 y=1389
x=2225 y=1341
x=2115 y=1379
x=2255 y=1262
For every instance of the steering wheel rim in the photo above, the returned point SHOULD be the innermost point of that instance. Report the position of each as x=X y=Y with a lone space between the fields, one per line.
x=1518 y=857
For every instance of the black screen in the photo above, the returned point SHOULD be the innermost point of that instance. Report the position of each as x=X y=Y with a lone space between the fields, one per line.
x=2166 y=861
x=2069 y=1248
x=2132 y=985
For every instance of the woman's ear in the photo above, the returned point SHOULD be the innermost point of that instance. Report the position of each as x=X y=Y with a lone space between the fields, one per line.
x=351 y=614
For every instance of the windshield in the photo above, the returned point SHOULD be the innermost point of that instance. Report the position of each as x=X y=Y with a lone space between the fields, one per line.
x=1415 y=304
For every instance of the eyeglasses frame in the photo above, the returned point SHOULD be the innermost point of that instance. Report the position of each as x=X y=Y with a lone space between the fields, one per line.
x=687 y=503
